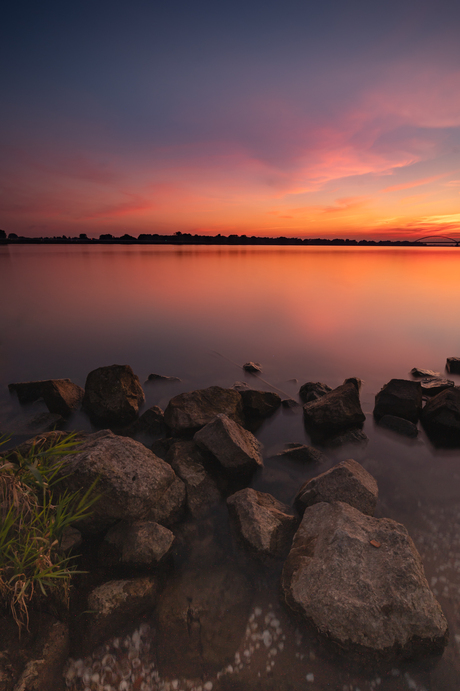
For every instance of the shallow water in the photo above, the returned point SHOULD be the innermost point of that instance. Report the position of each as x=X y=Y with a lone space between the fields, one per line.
x=320 y=314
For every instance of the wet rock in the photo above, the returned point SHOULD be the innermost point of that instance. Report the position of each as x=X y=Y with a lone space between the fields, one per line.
x=351 y=436
x=150 y=422
x=290 y=403
x=113 y=606
x=263 y=524
x=258 y=405
x=434 y=385
x=399 y=425
x=188 y=463
x=453 y=365
x=252 y=367
x=346 y=482
x=441 y=418
x=40 y=423
x=400 y=397
x=312 y=391
x=140 y=543
x=188 y=412
x=113 y=395
x=202 y=618
x=61 y=396
x=159 y=378
x=134 y=484
x=423 y=373
x=334 y=413
x=236 y=450
x=360 y=582
x=303 y=454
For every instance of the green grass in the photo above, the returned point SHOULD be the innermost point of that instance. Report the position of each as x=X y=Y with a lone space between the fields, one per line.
x=35 y=510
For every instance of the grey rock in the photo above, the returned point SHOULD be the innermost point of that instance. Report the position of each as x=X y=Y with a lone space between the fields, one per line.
x=434 y=385
x=334 y=413
x=235 y=449
x=303 y=454
x=399 y=425
x=400 y=397
x=140 y=543
x=252 y=367
x=263 y=524
x=441 y=418
x=114 y=605
x=159 y=378
x=423 y=373
x=188 y=463
x=258 y=405
x=201 y=619
x=134 y=484
x=453 y=365
x=312 y=391
x=347 y=482
x=360 y=582
x=61 y=396
x=113 y=395
x=188 y=412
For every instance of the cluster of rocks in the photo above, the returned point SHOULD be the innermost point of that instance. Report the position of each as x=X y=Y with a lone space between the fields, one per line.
x=356 y=580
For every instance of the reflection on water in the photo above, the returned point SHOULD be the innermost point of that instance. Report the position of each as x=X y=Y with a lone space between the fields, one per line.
x=307 y=314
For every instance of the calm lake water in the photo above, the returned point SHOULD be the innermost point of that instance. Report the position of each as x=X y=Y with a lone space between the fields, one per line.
x=306 y=314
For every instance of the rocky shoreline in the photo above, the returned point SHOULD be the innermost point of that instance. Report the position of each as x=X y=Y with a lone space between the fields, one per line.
x=155 y=551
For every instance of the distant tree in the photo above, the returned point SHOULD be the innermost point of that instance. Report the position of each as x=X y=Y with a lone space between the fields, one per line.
x=106 y=236
x=12 y=236
x=2 y=235
x=83 y=236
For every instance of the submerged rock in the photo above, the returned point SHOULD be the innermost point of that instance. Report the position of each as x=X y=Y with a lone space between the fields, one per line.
x=302 y=453
x=133 y=483
x=347 y=482
x=399 y=425
x=61 y=396
x=113 y=395
x=252 y=367
x=39 y=423
x=423 y=373
x=400 y=397
x=441 y=418
x=140 y=543
x=262 y=523
x=312 y=391
x=236 y=450
x=160 y=378
x=334 y=413
x=258 y=405
x=188 y=412
x=360 y=582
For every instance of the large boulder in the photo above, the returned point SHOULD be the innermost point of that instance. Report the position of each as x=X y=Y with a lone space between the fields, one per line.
x=188 y=463
x=142 y=543
x=441 y=418
x=186 y=413
x=201 y=619
x=132 y=482
x=258 y=405
x=113 y=395
x=360 y=582
x=400 y=397
x=61 y=396
x=236 y=450
x=262 y=523
x=335 y=412
x=347 y=481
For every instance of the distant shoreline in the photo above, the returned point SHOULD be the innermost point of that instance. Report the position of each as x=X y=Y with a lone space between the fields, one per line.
x=188 y=239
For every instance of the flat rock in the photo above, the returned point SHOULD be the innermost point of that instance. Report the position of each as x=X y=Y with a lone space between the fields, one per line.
x=440 y=418
x=434 y=385
x=423 y=373
x=453 y=365
x=61 y=396
x=258 y=405
x=334 y=413
x=360 y=582
x=134 y=484
x=313 y=390
x=113 y=395
x=263 y=524
x=188 y=463
x=399 y=425
x=235 y=449
x=400 y=397
x=252 y=367
x=347 y=482
x=114 y=605
x=188 y=412
x=201 y=619
x=142 y=543
x=303 y=454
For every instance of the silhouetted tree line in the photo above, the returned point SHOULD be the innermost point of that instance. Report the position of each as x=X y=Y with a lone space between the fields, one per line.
x=189 y=239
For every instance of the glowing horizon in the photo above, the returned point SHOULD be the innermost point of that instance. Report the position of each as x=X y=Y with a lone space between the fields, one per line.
x=286 y=124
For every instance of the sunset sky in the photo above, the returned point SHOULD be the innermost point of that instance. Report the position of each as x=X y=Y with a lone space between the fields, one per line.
x=296 y=118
